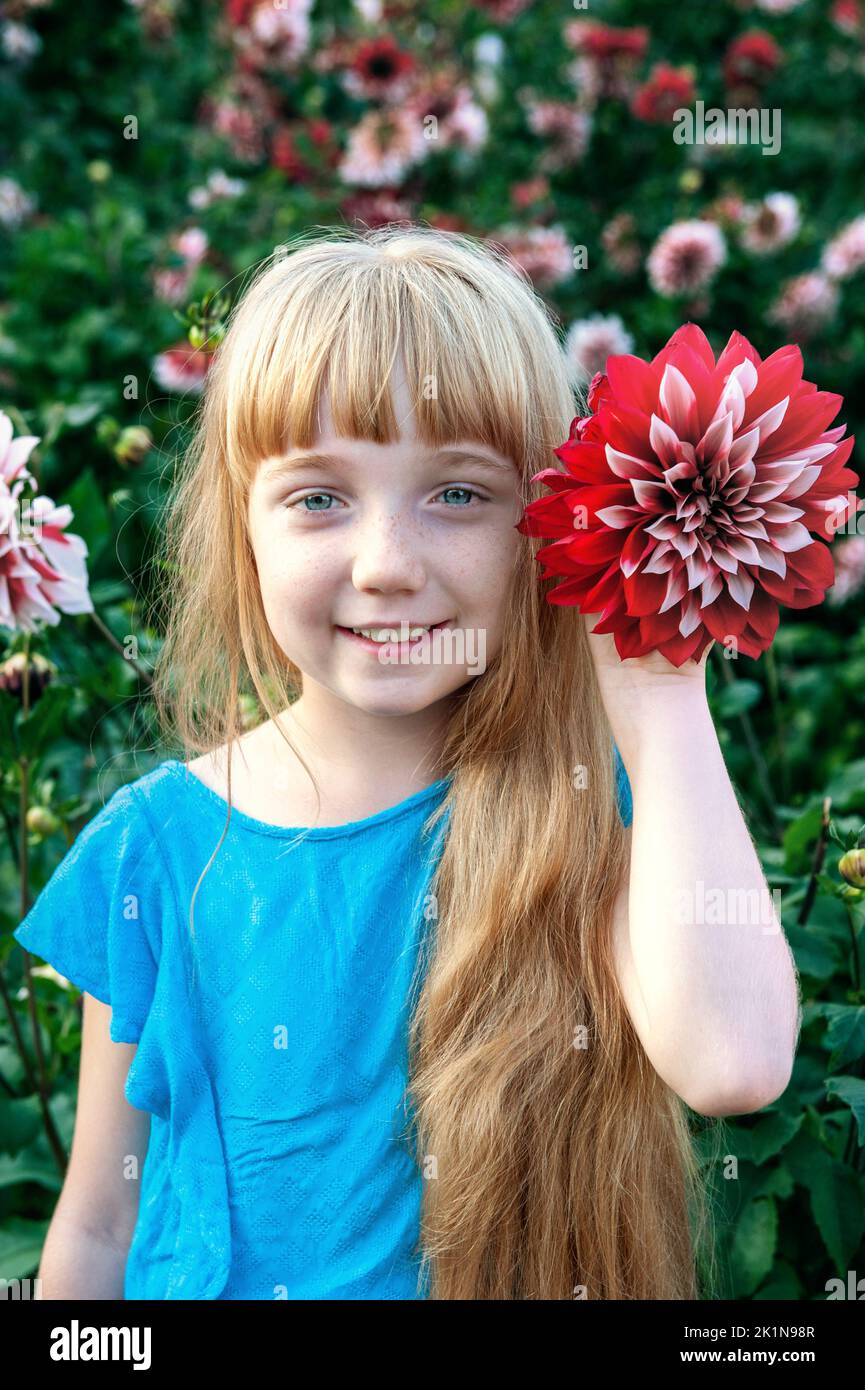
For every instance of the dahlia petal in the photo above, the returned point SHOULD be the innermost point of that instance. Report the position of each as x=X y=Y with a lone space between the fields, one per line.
x=666 y=528
x=748 y=521
x=780 y=512
x=663 y=440
x=744 y=447
x=685 y=544
x=619 y=517
x=811 y=453
x=743 y=548
x=662 y=559
x=740 y=586
x=626 y=429
x=780 y=375
x=723 y=559
x=806 y=419
x=732 y=401
x=636 y=548
x=717 y=438
x=678 y=402
x=652 y=497
x=712 y=586
x=676 y=590
x=633 y=380
x=644 y=593
x=791 y=537
x=806 y=478
x=772 y=559
x=697 y=569
x=723 y=617
x=814 y=566
x=625 y=466
x=736 y=350
x=690 y=619
x=770 y=420
x=689 y=335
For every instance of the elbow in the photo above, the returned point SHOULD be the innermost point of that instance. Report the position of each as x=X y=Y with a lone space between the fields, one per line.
x=740 y=1095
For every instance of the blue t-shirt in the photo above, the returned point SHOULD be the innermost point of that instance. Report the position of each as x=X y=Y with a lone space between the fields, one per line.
x=272 y=1049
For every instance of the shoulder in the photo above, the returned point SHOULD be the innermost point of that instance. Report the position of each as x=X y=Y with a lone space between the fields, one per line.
x=250 y=755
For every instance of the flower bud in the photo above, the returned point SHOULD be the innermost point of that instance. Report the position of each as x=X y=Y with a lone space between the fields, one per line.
x=134 y=443
x=852 y=867
x=42 y=821
x=12 y=674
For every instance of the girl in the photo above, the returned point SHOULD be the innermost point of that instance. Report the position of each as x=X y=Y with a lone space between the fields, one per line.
x=422 y=1020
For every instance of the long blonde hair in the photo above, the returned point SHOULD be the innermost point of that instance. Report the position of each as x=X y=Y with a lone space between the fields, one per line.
x=550 y=1169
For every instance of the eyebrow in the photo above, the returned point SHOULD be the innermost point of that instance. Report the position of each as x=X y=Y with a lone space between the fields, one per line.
x=320 y=463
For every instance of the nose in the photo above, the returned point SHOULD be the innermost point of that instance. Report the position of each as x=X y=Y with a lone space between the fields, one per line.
x=388 y=555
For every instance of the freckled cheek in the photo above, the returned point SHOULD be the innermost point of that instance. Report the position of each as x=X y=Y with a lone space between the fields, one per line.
x=298 y=584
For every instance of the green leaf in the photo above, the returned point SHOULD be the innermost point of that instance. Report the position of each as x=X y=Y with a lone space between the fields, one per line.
x=753 y=1248
x=45 y=720
x=850 y=1089
x=772 y=1133
x=90 y=516
x=736 y=699
x=839 y=1211
x=21 y=1243
x=845 y=1033
x=20 y=1124
x=847 y=787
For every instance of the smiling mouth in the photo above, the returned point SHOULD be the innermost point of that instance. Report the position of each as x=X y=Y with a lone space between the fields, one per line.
x=374 y=645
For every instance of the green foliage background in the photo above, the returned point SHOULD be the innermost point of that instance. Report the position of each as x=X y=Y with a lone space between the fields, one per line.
x=78 y=318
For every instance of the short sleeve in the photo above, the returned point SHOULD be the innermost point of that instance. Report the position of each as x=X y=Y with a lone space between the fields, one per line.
x=623 y=790
x=97 y=919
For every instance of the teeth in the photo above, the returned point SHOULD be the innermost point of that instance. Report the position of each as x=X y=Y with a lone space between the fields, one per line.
x=387 y=634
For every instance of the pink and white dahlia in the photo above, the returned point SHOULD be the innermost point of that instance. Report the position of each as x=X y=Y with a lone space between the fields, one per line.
x=382 y=148
x=42 y=565
x=849 y=571
x=844 y=255
x=770 y=224
x=686 y=257
x=182 y=368
x=589 y=342
x=806 y=304
x=696 y=498
x=544 y=253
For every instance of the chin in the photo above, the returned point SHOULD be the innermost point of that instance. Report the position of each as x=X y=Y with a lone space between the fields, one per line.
x=400 y=700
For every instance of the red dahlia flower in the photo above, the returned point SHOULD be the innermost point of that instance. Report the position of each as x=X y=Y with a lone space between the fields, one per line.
x=690 y=494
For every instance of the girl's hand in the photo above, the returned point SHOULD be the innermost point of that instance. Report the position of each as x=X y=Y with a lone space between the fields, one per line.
x=633 y=690
x=639 y=669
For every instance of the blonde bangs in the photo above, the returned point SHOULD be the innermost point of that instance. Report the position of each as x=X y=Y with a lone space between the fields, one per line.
x=324 y=317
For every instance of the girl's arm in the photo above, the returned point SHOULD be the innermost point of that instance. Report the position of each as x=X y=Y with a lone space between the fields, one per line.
x=84 y=1256
x=705 y=969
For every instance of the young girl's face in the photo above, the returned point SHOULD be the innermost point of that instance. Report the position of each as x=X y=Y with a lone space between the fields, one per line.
x=382 y=533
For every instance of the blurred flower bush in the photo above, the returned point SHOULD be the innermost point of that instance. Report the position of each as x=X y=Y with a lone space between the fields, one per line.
x=154 y=150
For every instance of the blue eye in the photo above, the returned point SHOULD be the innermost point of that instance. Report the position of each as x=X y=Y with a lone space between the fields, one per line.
x=321 y=496
x=469 y=491
x=312 y=497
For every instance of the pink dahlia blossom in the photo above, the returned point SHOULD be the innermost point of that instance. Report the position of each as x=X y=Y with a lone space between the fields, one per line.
x=544 y=253
x=849 y=571
x=844 y=255
x=42 y=566
x=382 y=147
x=768 y=225
x=696 y=498
x=686 y=257
x=589 y=342
x=568 y=127
x=182 y=368
x=806 y=304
